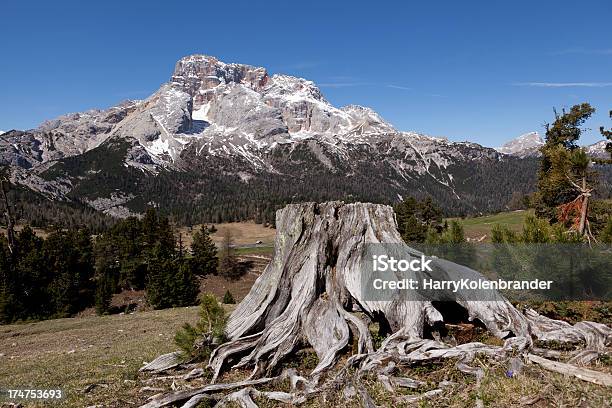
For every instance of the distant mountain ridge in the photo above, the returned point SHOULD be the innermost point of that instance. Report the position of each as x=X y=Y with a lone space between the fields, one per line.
x=523 y=146
x=528 y=145
x=231 y=141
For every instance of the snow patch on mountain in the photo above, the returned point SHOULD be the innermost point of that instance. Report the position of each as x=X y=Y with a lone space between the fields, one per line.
x=528 y=145
x=525 y=145
x=598 y=150
x=243 y=116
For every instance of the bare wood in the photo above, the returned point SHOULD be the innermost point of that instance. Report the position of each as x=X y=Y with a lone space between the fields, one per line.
x=163 y=362
x=5 y=185
x=312 y=286
x=179 y=396
x=596 y=377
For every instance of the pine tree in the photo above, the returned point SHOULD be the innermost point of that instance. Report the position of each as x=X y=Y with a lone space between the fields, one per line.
x=199 y=341
x=170 y=282
x=104 y=294
x=606 y=234
x=228 y=265
x=608 y=135
x=204 y=253
x=451 y=244
x=228 y=298
x=415 y=218
x=564 y=178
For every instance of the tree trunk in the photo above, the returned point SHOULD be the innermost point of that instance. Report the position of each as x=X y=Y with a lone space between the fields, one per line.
x=584 y=209
x=308 y=293
x=10 y=220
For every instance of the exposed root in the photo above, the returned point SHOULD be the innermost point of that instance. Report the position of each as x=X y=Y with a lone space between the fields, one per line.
x=309 y=292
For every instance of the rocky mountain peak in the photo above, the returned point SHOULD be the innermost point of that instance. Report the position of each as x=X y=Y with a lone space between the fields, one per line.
x=219 y=127
x=598 y=150
x=525 y=145
x=198 y=75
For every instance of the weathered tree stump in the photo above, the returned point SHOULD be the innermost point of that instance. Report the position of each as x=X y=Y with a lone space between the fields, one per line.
x=308 y=294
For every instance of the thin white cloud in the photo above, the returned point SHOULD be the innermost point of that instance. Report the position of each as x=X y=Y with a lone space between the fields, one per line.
x=303 y=65
x=583 y=51
x=565 y=84
x=341 y=84
x=403 y=88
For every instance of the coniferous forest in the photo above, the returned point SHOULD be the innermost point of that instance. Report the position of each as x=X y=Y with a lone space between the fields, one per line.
x=70 y=269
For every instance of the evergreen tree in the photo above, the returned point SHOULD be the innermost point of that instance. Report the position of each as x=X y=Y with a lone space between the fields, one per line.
x=228 y=298
x=204 y=253
x=229 y=266
x=608 y=135
x=170 y=282
x=197 y=342
x=62 y=265
x=451 y=244
x=606 y=234
x=564 y=175
x=104 y=294
x=415 y=218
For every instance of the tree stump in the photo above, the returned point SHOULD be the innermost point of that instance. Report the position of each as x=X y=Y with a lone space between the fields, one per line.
x=308 y=295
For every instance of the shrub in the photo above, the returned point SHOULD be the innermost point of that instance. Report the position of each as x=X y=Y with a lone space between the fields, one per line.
x=197 y=342
x=228 y=298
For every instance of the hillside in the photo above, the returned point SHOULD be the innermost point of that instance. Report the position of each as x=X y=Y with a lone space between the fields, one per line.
x=73 y=354
x=477 y=227
x=228 y=142
x=95 y=360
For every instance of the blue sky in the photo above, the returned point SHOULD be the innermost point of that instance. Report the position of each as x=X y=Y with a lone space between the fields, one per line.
x=483 y=71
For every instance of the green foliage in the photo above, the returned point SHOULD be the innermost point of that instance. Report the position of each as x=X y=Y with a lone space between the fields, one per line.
x=45 y=278
x=416 y=218
x=170 y=282
x=451 y=244
x=228 y=298
x=550 y=252
x=204 y=253
x=197 y=342
x=562 y=161
x=229 y=267
x=608 y=135
x=67 y=272
x=142 y=254
x=104 y=293
x=502 y=234
x=606 y=234
x=186 y=338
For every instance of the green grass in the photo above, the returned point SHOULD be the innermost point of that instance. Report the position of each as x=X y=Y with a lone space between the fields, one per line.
x=73 y=353
x=476 y=227
x=262 y=250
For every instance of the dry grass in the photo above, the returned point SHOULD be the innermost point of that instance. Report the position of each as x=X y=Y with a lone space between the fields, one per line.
x=108 y=351
x=40 y=232
x=73 y=353
x=243 y=233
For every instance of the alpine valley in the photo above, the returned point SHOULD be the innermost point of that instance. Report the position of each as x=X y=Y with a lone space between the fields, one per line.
x=222 y=142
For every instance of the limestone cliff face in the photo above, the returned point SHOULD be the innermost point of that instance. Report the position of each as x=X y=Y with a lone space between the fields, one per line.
x=240 y=121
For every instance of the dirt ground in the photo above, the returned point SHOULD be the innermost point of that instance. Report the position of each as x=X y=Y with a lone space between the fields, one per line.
x=72 y=354
x=243 y=233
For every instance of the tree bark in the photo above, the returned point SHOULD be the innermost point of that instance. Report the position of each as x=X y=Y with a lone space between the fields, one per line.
x=584 y=209
x=312 y=285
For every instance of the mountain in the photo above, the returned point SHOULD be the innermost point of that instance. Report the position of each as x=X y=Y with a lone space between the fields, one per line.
x=526 y=145
x=224 y=141
x=598 y=150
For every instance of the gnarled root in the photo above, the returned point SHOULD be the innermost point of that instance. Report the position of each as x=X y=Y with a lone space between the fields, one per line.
x=311 y=289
